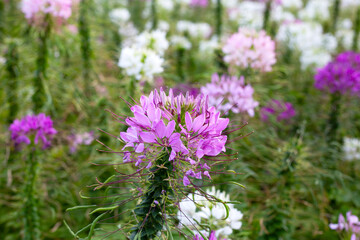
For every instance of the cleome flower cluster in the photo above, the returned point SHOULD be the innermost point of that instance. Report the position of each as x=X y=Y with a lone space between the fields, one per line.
x=36 y=8
x=250 y=49
x=185 y=126
x=33 y=129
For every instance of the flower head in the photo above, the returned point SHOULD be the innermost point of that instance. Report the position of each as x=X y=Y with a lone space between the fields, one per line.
x=342 y=75
x=250 y=49
x=350 y=224
x=37 y=8
x=199 y=3
x=185 y=126
x=210 y=213
x=33 y=129
x=351 y=149
x=281 y=110
x=75 y=140
x=229 y=93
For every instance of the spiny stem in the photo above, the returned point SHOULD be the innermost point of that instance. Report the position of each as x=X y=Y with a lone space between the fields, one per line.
x=149 y=211
x=336 y=11
x=267 y=15
x=39 y=96
x=154 y=15
x=31 y=215
x=333 y=116
x=86 y=51
x=219 y=12
x=12 y=78
x=356 y=30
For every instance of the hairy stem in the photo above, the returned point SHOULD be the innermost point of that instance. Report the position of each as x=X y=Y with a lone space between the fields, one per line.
x=336 y=11
x=86 y=51
x=12 y=80
x=154 y=15
x=218 y=13
x=39 y=95
x=333 y=116
x=356 y=31
x=149 y=211
x=267 y=15
x=31 y=215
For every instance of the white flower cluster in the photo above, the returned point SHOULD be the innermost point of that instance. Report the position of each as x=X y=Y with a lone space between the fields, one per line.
x=345 y=33
x=316 y=10
x=119 y=15
x=308 y=38
x=196 y=208
x=351 y=149
x=248 y=14
x=144 y=58
x=180 y=42
x=195 y=30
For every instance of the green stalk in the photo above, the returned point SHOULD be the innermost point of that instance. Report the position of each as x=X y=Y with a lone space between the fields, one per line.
x=86 y=50
x=356 y=31
x=218 y=13
x=267 y=13
x=222 y=68
x=336 y=12
x=39 y=96
x=154 y=15
x=333 y=121
x=11 y=65
x=2 y=20
x=31 y=215
x=180 y=63
x=148 y=212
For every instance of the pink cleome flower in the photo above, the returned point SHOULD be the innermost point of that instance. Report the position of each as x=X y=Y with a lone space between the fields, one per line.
x=57 y=8
x=250 y=49
x=183 y=125
x=229 y=93
x=199 y=3
x=36 y=128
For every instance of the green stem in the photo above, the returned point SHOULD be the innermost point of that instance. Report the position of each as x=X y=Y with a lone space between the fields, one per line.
x=222 y=68
x=39 y=96
x=356 y=31
x=218 y=13
x=12 y=80
x=149 y=211
x=31 y=215
x=267 y=15
x=333 y=116
x=86 y=51
x=180 y=63
x=154 y=15
x=336 y=11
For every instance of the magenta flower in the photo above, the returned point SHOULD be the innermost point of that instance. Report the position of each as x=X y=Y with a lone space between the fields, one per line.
x=183 y=125
x=281 y=110
x=212 y=237
x=250 y=49
x=229 y=93
x=351 y=224
x=37 y=8
x=199 y=3
x=342 y=75
x=75 y=140
x=33 y=129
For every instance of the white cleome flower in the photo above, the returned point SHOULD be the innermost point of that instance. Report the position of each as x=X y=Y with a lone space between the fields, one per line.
x=155 y=40
x=351 y=149
x=180 y=42
x=316 y=10
x=140 y=63
x=210 y=213
x=195 y=30
x=248 y=14
x=119 y=15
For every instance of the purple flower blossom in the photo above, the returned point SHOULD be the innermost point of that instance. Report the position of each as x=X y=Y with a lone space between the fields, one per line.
x=250 y=49
x=199 y=3
x=341 y=75
x=184 y=125
x=183 y=88
x=36 y=128
x=57 y=8
x=351 y=224
x=75 y=140
x=229 y=93
x=212 y=237
x=281 y=110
